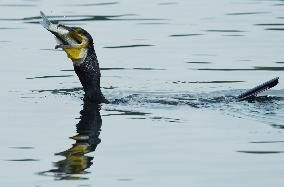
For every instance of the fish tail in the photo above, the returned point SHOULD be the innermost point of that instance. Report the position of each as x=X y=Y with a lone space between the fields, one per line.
x=45 y=22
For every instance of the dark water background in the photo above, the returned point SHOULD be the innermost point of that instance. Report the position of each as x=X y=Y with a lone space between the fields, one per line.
x=171 y=70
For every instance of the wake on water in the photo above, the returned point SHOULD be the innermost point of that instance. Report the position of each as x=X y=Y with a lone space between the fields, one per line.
x=268 y=108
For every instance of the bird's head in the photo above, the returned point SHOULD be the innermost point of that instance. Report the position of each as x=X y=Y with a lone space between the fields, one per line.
x=75 y=41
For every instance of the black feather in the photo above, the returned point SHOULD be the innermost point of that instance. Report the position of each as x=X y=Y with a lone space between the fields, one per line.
x=258 y=89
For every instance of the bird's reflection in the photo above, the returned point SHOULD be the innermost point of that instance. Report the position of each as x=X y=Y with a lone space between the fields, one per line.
x=87 y=139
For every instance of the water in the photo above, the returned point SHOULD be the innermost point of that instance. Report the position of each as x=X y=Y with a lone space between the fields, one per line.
x=171 y=70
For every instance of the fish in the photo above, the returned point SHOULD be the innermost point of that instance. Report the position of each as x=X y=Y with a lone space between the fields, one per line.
x=61 y=32
x=75 y=41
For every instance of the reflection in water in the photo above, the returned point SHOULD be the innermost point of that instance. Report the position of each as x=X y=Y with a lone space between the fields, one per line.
x=83 y=18
x=216 y=30
x=93 y=4
x=246 y=13
x=260 y=152
x=129 y=46
x=255 y=68
x=181 y=35
x=275 y=29
x=50 y=76
x=87 y=139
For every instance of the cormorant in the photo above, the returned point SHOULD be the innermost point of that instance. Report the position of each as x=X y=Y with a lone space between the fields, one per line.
x=79 y=47
x=78 y=44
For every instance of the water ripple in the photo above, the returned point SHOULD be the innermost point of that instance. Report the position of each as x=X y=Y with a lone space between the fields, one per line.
x=267 y=109
x=246 y=13
x=128 y=46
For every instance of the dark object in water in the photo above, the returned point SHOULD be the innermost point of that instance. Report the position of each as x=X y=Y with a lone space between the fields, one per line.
x=258 y=89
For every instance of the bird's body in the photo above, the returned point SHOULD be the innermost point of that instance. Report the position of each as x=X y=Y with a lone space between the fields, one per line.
x=79 y=47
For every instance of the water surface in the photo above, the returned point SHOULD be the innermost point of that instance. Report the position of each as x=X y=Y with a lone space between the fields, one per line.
x=172 y=71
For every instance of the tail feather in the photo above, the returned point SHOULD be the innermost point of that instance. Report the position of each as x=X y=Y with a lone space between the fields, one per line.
x=258 y=89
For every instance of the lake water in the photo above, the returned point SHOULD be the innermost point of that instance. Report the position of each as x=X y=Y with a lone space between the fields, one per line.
x=171 y=69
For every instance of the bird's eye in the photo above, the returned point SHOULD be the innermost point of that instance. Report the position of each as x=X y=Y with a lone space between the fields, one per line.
x=59 y=25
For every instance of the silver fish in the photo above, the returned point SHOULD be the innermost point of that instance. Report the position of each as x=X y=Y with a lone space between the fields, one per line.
x=60 y=31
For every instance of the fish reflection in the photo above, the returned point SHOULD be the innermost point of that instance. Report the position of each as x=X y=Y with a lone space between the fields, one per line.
x=87 y=138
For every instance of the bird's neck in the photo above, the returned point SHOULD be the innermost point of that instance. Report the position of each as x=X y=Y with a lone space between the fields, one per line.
x=89 y=75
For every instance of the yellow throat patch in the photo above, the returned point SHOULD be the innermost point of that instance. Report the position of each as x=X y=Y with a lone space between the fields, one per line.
x=75 y=52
